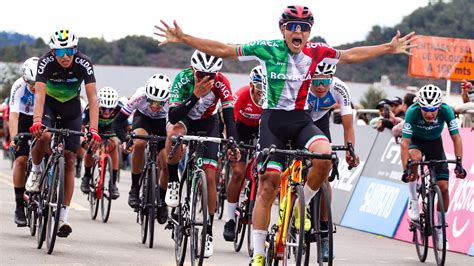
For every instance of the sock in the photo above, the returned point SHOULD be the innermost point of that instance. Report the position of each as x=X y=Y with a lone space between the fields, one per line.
x=64 y=213
x=259 y=237
x=308 y=194
x=324 y=228
x=230 y=210
x=78 y=161
x=136 y=180
x=36 y=167
x=412 y=190
x=209 y=224
x=20 y=203
x=162 y=194
x=173 y=173
x=87 y=171
x=114 y=175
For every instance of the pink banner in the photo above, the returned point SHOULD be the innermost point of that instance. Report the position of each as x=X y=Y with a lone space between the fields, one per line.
x=460 y=216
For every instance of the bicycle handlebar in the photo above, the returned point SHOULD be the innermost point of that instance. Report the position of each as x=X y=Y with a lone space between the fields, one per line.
x=348 y=147
x=176 y=141
x=411 y=163
x=22 y=137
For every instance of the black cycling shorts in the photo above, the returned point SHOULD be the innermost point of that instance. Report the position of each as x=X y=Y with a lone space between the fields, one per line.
x=209 y=125
x=323 y=124
x=24 y=124
x=432 y=150
x=279 y=126
x=71 y=118
x=151 y=126
x=246 y=134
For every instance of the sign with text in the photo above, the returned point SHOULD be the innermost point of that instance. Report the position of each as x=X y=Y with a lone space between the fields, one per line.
x=442 y=58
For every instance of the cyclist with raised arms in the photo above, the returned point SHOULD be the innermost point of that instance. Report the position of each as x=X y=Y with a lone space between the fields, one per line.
x=326 y=92
x=288 y=64
x=196 y=92
x=21 y=118
x=247 y=111
x=421 y=135
x=150 y=107
x=108 y=110
x=58 y=84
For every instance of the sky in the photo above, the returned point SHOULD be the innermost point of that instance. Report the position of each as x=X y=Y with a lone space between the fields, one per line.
x=338 y=21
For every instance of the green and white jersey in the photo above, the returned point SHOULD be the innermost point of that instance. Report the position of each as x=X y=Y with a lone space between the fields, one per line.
x=416 y=126
x=287 y=76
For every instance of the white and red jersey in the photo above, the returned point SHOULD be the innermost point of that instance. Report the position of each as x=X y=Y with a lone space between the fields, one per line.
x=245 y=109
x=139 y=102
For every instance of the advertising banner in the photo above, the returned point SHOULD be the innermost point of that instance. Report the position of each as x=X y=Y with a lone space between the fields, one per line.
x=344 y=186
x=460 y=215
x=376 y=206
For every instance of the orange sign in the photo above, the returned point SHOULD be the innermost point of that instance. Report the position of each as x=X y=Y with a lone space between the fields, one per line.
x=442 y=58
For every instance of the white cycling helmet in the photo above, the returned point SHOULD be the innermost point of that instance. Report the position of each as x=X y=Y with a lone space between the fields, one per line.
x=63 y=38
x=108 y=97
x=430 y=96
x=29 y=68
x=324 y=68
x=205 y=63
x=158 y=88
x=256 y=74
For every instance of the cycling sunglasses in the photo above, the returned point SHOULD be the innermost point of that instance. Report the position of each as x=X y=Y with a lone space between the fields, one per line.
x=321 y=81
x=296 y=26
x=202 y=74
x=430 y=109
x=65 y=51
x=31 y=82
x=152 y=102
x=257 y=85
x=105 y=109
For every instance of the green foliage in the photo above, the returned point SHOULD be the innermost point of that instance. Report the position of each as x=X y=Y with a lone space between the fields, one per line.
x=8 y=74
x=371 y=97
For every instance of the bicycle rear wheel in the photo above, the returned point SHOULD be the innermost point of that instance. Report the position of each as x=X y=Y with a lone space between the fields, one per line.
x=56 y=197
x=180 y=217
x=438 y=224
x=420 y=236
x=94 y=186
x=198 y=221
x=31 y=217
x=223 y=180
x=241 y=219
x=107 y=184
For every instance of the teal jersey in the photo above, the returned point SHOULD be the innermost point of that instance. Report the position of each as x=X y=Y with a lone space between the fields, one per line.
x=416 y=126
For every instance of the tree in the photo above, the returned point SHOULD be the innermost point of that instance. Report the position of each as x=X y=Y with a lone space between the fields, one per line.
x=371 y=97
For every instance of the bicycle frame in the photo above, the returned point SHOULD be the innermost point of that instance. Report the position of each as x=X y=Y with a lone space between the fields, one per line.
x=103 y=153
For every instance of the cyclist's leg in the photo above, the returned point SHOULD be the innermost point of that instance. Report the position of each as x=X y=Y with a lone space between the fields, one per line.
x=88 y=161
x=415 y=153
x=435 y=151
x=114 y=156
x=172 y=191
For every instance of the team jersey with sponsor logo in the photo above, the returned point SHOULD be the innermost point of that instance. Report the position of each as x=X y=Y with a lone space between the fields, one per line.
x=245 y=110
x=21 y=98
x=416 y=126
x=338 y=93
x=288 y=75
x=206 y=106
x=64 y=84
x=139 y=102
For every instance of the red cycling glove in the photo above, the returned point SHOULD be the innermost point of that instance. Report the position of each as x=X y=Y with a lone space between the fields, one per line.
x=95 y=135
x=36 y=127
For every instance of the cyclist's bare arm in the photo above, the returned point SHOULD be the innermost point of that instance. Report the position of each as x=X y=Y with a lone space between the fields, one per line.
x=457 y=142
x=404 y=144
x=40 y=94
x=13 y=127
x=210 y=47
x=398 y=45
x=347 y=124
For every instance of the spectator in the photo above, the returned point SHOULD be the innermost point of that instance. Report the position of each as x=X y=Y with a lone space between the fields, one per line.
x=467 y=95
x=397 y=107
x=383 y=121
x=408 y=100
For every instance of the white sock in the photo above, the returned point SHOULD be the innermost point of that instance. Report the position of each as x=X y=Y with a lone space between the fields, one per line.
x=412 y=190
x=231 y=210
x=36 y=167
x=259 y=237
x=308 y=194
x=64 y=213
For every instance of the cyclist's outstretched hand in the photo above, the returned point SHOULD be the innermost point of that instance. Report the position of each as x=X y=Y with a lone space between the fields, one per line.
x=95 y=139
x=37 y=129
x=233 y=158
x=352 y=162
x=400 y=45
x=171 y=35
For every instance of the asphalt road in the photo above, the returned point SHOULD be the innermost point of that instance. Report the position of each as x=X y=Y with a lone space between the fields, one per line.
x=118 y=241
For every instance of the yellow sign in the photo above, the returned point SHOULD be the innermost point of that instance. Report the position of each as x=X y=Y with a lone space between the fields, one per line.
x=442 y=58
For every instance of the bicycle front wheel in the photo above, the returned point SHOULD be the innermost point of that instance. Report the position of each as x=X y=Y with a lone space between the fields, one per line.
x=94 y=186
x=223 y=180
x=241 y=219
x=295 y=234
x=151 y=204
x=55 y=203
x=180 y=217
x=107 y=184
x=198 y=218
x=420 y=236
x=42 y=211
x=438 y=225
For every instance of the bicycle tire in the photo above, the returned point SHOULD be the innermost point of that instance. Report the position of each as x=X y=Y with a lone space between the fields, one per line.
x=223 y=180
x=438 y=224
x=42 y=212
x=151 y=205
x=107 y=186
x=240 y=228
x=270 y=252
x=31 y=217
x=198 y=239
x=295 y=236
x=142 y=211
x=420 y=230
x=56 y=196
x=93 y=186
x=182 y=214
x=330 y=223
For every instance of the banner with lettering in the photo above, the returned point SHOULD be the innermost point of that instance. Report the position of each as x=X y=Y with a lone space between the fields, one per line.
x=460 y=216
